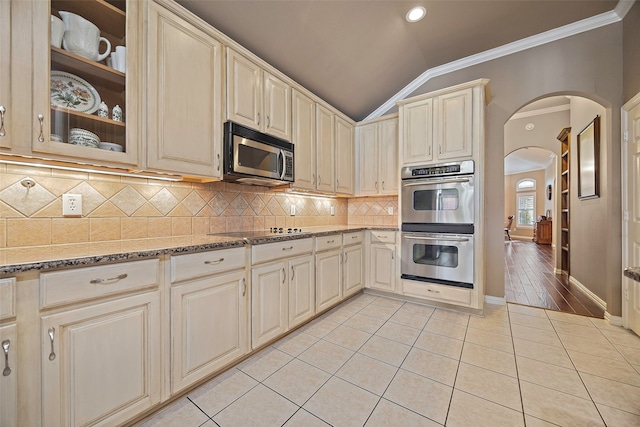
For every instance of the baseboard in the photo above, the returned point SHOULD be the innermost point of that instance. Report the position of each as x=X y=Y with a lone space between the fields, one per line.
x=495 y=300
x=613 y=320
x=557 y=270
x=593 y=297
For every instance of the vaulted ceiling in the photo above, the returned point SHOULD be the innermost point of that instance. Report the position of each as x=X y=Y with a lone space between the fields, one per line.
x=357 y=54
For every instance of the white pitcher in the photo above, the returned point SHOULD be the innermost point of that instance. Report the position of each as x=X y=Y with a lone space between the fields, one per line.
x=82 y=37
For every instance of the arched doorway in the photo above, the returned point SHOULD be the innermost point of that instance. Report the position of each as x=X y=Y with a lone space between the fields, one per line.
x=532 y=171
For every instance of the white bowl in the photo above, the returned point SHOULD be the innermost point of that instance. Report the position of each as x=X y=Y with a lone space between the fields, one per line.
x=83 y=137
x=110 y=146
x=56 y=137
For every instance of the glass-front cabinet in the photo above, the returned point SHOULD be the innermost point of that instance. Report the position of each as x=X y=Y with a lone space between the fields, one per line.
x=86 y=101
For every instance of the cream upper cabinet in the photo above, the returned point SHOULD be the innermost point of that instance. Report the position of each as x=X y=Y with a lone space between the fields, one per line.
x=304 y=140
x=9 y=378
x=301 y=290
x=378 y=157
x=269 y=302
x=444 y=125
x=256 y=98
x=101 y=363
x=67 y=87
x=184 y=96
x=6 y=110
x=325 y=137
x=345 y=152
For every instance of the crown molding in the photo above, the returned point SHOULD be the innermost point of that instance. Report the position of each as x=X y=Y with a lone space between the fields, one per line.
x=540 y=112
x=568 y=30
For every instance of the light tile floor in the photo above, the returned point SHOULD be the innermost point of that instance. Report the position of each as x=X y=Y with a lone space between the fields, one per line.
x=380 y=362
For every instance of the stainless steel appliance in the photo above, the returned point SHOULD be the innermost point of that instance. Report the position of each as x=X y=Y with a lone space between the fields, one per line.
x=252 y=157
x=438 y=219
x=438 y=195
x=438 y=258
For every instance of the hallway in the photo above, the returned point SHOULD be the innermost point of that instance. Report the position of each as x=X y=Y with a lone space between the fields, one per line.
x=530 y=280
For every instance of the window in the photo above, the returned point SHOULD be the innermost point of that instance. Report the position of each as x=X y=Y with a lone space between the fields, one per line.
x=526 y=207
x=526 y=184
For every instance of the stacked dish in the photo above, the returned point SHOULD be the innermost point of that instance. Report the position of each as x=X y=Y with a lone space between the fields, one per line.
x=83 y=137
x=110 y=146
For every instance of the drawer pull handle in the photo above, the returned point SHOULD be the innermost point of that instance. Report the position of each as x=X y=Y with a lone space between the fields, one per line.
x=354 y=237
x=218 y=261
x=2 y=111
x=330 y=241
x=52 y=355
x=287 y=249
x=431 y=290
x=5 y=348
x=109 y=280
x=244 y=286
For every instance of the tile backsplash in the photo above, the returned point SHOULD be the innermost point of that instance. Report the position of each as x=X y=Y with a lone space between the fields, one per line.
x=120 y=207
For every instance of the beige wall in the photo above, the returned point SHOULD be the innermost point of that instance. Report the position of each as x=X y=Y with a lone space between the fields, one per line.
x=589 y=231
x=122 y=208
x=631 y=45
x=510 y=204
x=588 y=64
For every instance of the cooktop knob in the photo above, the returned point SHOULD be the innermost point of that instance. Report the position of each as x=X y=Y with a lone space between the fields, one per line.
x=288 y=230
x=280 y=230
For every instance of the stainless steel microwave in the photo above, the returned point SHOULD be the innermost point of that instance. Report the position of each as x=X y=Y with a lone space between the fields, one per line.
x=252 y=157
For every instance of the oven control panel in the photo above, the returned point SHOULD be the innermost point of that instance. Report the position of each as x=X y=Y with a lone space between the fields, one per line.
x=445 y=169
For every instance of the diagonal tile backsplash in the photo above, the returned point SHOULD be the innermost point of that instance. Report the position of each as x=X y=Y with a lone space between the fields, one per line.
x=117 y=208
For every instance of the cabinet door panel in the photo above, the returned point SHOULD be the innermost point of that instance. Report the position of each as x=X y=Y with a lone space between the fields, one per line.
x=304 y=139
x=454 y=124
x=301 y=290
x=184 y=96
x=325 y=148
x=9 y=383
x=353 y=279
x=104 y=362
x=383 y=267
x=6 y=133
x=208 y=326
x=368 y=159
x=268 y=302
x=418 y=132
x=277 y=107
x=244 y=89
x=344 y=157
x=388 y=149
x=328 y=279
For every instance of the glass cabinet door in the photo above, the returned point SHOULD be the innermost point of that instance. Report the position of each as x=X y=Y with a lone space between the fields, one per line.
x=82 y=78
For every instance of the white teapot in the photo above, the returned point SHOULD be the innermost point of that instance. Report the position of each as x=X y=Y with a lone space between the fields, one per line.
x=82 y=37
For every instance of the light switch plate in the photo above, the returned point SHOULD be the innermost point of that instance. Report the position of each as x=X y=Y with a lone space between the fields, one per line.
x=293 y=209
x=390 y=210
x=72 y=205
x=333 y=210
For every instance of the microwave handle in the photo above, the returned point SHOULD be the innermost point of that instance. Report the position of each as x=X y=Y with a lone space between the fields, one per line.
x=444 y=181
x=442 y=239
x=281 y=170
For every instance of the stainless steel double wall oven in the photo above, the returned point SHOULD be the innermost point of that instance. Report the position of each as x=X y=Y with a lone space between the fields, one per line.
x=438 y=219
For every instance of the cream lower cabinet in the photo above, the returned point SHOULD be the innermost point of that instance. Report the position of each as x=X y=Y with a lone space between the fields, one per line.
x=328 y=271
x=382 y=261
x=353 y=275
x=101 y=363
x=269 y=302
x=301 y=290
x=184 y=96
x=8 y=378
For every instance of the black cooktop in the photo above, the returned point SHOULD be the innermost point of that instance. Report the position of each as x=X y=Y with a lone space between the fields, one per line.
x=252 y=234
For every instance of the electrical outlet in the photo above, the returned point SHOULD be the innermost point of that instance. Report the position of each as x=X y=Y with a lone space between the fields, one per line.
x=333 y=210
x=390 y=210
x=293 y=209
x=72 y=205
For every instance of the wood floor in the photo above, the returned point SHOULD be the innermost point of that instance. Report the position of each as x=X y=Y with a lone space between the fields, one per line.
x=530 y=280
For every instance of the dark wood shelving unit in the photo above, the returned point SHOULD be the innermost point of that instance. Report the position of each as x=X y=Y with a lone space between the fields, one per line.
x=565 y=139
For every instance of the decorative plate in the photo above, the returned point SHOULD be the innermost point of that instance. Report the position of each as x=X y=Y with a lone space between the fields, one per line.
x=72 y=92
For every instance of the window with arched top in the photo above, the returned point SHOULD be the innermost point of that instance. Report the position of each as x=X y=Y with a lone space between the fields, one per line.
x=526 y=202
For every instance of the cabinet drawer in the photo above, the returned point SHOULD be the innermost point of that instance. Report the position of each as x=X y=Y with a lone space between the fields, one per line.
x=272 y=251
x=184 y=267
x=328 y=242
x=353 y=238
x=63 y=287
x=448 y=294
x=7 y=298
x=378 y=236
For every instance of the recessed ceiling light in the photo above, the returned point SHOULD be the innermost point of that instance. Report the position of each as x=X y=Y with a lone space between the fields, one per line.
x=416 y=14
x=530 y=126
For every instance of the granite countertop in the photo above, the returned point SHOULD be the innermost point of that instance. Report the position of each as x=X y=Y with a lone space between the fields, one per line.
x=16 y=260
x=633 y=273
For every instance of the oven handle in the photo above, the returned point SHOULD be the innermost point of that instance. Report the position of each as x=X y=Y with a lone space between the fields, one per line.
x=282 y=164
x=435 y=181
x=442 y=239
